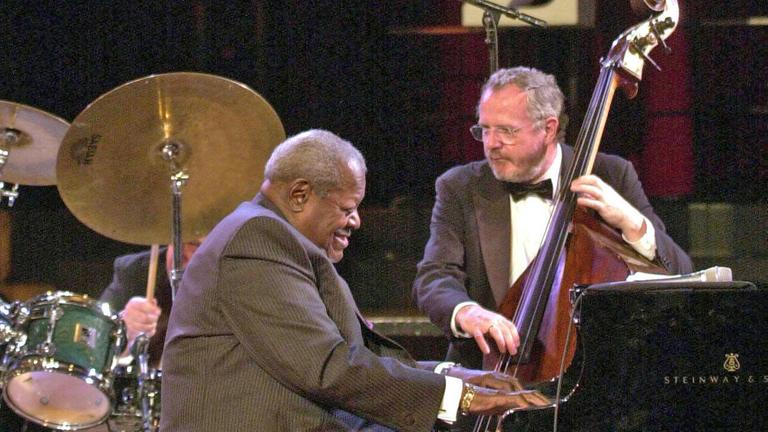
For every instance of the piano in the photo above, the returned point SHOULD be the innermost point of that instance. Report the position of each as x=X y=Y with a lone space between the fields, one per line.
x=664 y=356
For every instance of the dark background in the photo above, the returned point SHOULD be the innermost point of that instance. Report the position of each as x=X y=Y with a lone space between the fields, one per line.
x=400 y=79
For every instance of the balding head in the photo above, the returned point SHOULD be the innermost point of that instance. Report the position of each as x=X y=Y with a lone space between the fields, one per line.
x=317 y=180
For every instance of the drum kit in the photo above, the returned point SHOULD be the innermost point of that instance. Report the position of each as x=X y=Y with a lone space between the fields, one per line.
x=120 y=168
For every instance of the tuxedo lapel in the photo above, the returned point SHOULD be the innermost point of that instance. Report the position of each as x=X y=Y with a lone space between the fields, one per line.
x=491 y=204
x=565 y=165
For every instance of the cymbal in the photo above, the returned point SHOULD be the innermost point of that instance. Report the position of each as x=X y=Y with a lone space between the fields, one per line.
x=32 y=138
x=112 y=172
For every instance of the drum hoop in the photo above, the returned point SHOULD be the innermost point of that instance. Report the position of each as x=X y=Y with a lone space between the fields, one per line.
x=72 y=299
x=37 y=363
x=31 y=363
x=54 y=425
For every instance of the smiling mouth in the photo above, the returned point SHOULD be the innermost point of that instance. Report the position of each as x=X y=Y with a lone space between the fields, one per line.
x=342 y=239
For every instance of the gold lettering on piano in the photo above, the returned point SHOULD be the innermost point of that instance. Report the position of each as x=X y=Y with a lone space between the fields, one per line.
x=703 y=379
x=731 y=364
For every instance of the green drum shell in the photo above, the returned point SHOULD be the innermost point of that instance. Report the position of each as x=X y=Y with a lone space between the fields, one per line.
x=80 y=337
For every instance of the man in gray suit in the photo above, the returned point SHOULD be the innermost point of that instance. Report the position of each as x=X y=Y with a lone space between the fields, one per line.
x=264 y=334
x=486 y=227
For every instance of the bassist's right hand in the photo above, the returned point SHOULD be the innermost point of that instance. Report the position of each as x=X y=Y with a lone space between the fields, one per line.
x=481 y=324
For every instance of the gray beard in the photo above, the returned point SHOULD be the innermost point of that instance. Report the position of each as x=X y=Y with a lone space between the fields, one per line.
x=533 y=171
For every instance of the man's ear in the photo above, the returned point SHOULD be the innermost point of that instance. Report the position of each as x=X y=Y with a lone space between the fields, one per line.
x=551 y=124
x=298 y=194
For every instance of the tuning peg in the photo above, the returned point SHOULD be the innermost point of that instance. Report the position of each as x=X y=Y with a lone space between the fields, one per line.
x=656 y=32
x=645 y=56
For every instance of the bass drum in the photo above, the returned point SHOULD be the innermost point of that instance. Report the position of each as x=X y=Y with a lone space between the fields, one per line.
x=132 y=400
x=61 y=376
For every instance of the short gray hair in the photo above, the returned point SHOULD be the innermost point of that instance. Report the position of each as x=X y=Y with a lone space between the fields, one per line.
x=545 y=99
x=315 y=155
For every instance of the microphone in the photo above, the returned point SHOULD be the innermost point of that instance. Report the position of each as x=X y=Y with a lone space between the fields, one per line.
x=507 y=11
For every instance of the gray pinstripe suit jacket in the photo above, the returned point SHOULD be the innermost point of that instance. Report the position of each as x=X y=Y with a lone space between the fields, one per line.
x=265 y=336
x=467 y=255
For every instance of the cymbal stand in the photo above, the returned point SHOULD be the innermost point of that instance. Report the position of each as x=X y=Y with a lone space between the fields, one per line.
x=144 y=386
x=171 y=151
x=10 y=138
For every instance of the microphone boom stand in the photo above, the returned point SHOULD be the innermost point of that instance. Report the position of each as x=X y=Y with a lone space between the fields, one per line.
x=492 y=13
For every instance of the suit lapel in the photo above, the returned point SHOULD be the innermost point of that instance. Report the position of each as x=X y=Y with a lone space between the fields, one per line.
x=491 y=204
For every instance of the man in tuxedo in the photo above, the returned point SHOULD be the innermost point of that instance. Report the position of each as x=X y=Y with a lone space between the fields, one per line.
x=265 y=335
x=490 y=216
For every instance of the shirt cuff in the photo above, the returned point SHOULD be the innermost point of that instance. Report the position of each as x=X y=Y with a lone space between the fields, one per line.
x=449 y=407
x=645 y=245
x=454 y=329
x=442 y=366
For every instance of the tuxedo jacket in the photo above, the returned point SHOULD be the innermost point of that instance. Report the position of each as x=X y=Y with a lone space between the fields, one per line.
x=467 y=256
x=265 y=335
x=129 y=279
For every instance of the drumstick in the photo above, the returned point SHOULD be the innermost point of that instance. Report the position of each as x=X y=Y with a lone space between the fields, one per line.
x=152 y=276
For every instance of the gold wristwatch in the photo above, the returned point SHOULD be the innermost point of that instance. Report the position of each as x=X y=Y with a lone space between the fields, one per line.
x=467 y=395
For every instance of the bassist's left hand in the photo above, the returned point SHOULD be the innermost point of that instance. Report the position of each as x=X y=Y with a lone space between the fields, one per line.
x=598 y=195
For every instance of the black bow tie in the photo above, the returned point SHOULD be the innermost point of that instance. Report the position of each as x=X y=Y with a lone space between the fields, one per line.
x=520 y=190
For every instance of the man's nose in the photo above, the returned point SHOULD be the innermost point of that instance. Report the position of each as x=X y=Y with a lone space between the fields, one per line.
x=354 y=220
x=491 y=141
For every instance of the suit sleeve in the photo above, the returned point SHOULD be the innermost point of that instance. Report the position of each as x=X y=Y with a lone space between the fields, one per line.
x=128 y=280
x=280 y=302
x=668 y=253
x=440 y=282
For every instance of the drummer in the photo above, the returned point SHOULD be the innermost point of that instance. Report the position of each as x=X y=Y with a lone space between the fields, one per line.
x=127 y=293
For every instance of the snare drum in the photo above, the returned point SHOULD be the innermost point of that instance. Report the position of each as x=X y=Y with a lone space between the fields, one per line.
x=61 y=376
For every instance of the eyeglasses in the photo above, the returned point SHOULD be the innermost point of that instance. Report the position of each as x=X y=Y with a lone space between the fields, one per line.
x=505 y=134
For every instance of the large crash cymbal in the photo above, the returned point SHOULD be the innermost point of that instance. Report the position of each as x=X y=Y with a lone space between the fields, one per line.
x=32 y=138
x=112 y=174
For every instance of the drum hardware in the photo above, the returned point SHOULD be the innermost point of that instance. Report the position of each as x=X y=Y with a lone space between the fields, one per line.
x=47 y=347
x=10 y=138
x=146 y=390
x=11 y=193
x=11 y=336
x=137 y=405
x=9 y=315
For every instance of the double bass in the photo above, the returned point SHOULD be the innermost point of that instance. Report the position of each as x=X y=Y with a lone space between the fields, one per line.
x=577 y=248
